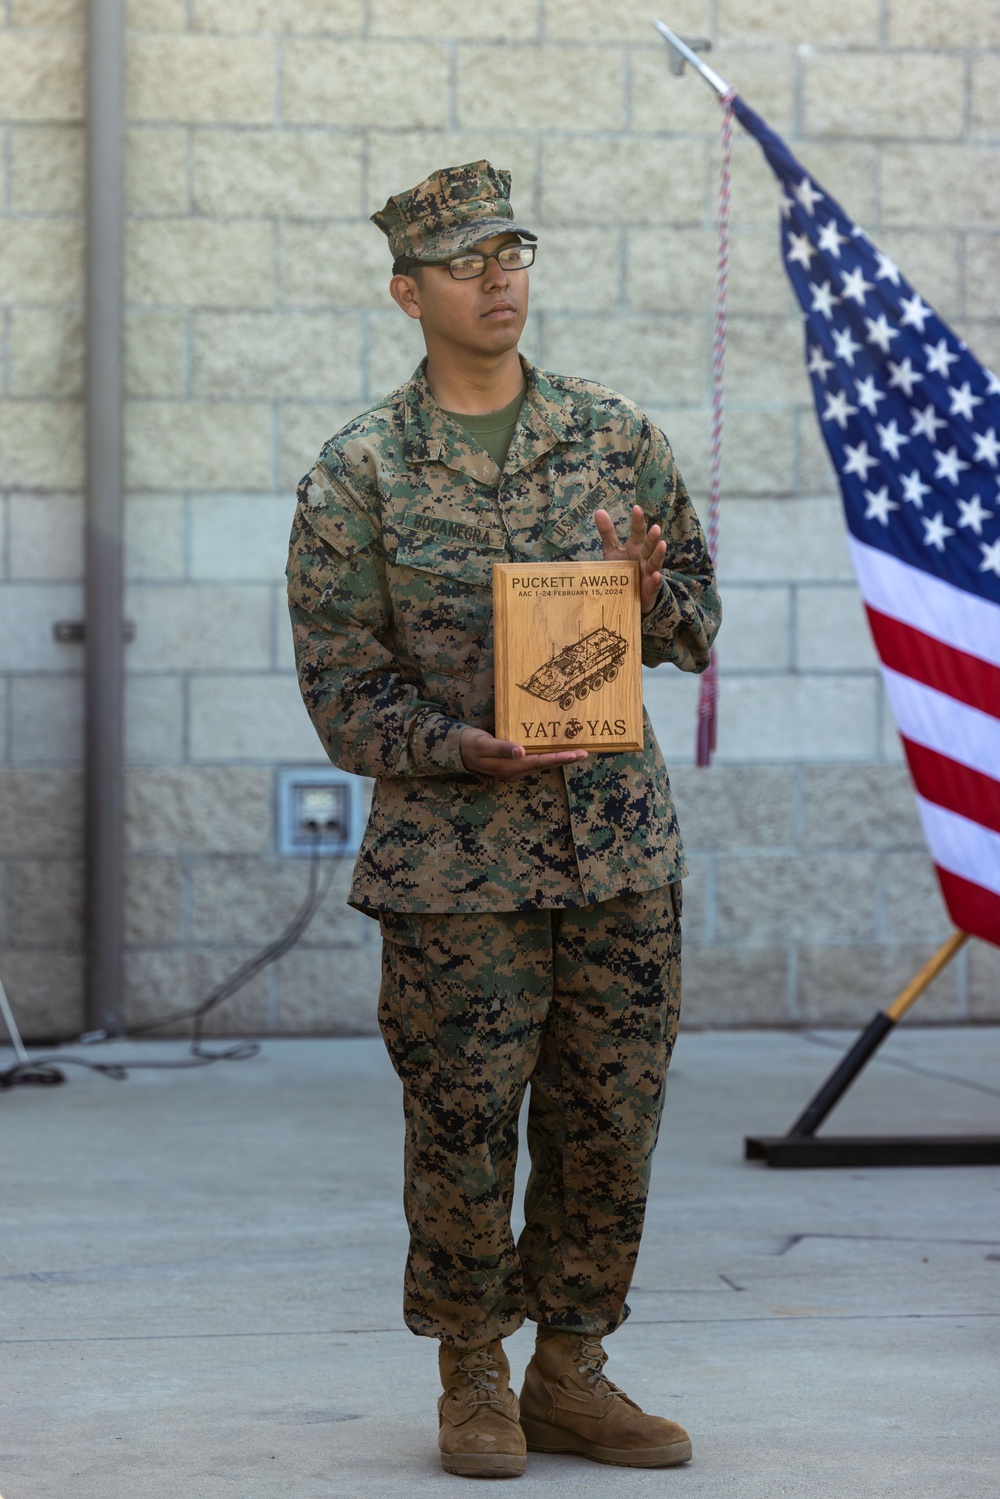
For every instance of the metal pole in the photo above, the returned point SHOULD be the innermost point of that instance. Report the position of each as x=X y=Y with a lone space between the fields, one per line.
x=684 y=54
x=104 y=709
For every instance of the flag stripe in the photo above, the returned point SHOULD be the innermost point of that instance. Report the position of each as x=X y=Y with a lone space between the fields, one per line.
x=956 y=787
x=940 y=723
x=963 y=847
x=906 y=593
x=970 y=679
x=975 y=910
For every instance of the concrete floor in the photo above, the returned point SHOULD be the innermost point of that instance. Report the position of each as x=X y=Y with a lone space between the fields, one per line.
x=200 y=1272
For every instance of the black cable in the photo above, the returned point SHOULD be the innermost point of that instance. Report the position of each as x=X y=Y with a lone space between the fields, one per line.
x=44 y=1071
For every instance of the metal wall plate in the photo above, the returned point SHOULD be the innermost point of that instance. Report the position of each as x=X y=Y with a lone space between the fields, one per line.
x=319 y=807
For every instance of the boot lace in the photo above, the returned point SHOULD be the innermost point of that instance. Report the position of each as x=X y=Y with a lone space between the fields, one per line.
x=480 y=1372
x=593 y=1358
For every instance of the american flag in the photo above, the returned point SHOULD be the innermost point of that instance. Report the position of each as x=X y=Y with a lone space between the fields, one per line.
x=911 y=419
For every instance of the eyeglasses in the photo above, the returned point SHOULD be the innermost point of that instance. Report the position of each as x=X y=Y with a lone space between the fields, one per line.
x=473 y=263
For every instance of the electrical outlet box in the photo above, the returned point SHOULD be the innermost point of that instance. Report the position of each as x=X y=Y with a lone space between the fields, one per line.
x=319 y=810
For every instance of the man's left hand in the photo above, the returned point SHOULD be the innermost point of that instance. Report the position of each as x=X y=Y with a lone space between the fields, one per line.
x=643 y=546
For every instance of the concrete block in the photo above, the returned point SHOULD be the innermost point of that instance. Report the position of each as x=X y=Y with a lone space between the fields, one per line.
x=986 y=93
x=155 y=353
x=931 y=186
x=240 y=537
x=199 y=810
x=796 y=897
x=285 y=354
x=154 y=902
x=305 y=428
x=400 y=161
x=45 y=537
x=784 y=541
x=735 y=806
x=304 y=173
x=890 y=745
x=758 y=453
x=394 y=85
x=200 y=263
x=799 y=718
x=572 y=258
x=27 y=614
x=193 y=627
x=845 y=985
x=4 y=760
x=41 y=444
x=156 y=170
x=984 y=981
x=241 y=900
x=194 y=79
x=46 y=352
x=659 y=103
x=627 y=181
x=161 y=982
x=647 y=359
x=858 y=807
x=445 y=19
x=982 y=275
x=332 y=265
x=928 y=23
x=46 y=903
x=46 y=720
x=673 y=270
x=154 y=537
x=331 y=17
x=628 y=21
x=251 y=718
x=154 y=719
x=778 y=23
x=395 y=348
x=671 y=700
x=41 y=260
x=540 y=88
x=197 y=445
x=41 y=76
x=734 y=987
x=41 y=815
x=331 y=993
x=831 y=630
x=46 y=169
x=54 y=13
x=697 y=900
x=765 y=362
x=156 y=15
x=914 y=907
x=45 y=990
x=881 y=96
x=931 y=263
x=758 y=633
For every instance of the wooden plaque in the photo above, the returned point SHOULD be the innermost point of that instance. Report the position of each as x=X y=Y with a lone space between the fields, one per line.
x=568 y=655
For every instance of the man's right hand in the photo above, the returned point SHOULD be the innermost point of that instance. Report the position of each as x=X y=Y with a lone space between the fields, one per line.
x=486 y=756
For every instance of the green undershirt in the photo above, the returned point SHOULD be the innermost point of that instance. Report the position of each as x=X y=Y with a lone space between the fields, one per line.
x=493 y=431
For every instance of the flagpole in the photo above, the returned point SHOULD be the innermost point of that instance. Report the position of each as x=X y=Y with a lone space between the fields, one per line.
x=687 y=54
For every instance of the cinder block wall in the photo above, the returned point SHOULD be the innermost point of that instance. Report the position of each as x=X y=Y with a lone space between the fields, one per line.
x=261 y=135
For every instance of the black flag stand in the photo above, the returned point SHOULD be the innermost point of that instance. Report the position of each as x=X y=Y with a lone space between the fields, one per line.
x=800 y=1147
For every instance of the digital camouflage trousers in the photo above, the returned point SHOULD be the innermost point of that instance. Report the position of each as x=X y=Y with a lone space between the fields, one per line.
x=582 y=1005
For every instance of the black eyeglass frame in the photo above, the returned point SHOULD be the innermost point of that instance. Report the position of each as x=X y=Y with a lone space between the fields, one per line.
x=401 y=265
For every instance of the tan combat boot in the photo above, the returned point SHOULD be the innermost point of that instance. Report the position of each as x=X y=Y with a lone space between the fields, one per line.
x=568 y=1406
x=479 y=1436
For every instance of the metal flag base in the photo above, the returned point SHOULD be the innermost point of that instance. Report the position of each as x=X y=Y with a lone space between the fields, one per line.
x=800 y=1148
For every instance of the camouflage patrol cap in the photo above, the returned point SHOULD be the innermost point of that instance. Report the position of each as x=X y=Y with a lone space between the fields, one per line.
x=454 y=209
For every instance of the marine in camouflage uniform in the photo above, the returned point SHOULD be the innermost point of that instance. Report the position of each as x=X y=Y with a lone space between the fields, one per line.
x=531 y=927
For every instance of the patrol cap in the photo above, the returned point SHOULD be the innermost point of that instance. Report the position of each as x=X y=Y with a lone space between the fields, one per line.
x=452 y=210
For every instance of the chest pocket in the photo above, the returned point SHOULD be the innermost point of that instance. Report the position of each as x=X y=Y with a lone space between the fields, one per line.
x=573 y=534
x=442 y=601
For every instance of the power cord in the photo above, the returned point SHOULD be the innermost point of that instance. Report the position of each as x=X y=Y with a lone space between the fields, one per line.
x=44 y=1071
